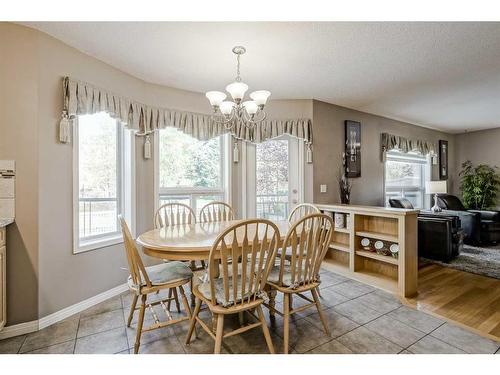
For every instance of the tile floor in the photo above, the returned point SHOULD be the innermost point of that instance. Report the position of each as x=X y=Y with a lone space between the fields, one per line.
x=362 y=319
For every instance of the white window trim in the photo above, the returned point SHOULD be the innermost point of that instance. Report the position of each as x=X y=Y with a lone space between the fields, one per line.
x=126 y=200
x=226 y=175
x=425 y=177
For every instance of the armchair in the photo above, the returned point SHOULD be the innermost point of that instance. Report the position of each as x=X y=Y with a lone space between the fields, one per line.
x=439 y=235
x=481 y=226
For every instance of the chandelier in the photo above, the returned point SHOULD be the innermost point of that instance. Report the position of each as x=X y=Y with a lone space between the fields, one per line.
x=248 y=112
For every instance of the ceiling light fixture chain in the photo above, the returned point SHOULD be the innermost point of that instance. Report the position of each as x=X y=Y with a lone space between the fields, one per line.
x=238 y=78
x=248 y=112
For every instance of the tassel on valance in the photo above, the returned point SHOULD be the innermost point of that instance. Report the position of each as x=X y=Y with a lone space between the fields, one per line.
x=64 y=128
x=81 y=98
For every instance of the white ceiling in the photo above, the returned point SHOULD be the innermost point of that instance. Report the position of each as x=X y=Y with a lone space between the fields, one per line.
x=438 y=75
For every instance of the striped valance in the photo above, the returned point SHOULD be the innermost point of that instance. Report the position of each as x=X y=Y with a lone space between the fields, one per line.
x=83 y=98
x=395 y=142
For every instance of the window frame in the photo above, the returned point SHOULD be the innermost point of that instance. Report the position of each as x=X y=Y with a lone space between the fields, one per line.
x=416 y=158
x=196 y=191
x=125 y=190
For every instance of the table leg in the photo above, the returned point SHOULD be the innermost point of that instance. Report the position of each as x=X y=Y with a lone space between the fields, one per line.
x=191 y=285
x=214 y=323
x=272 y=301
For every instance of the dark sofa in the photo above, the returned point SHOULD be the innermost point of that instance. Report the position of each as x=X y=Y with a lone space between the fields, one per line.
x=439 y=235
x=480 y=226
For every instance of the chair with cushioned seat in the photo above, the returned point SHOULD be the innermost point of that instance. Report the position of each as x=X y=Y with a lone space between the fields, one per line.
x=238 y=265
x=148 y=280
x=177 y=214
x=308 y=239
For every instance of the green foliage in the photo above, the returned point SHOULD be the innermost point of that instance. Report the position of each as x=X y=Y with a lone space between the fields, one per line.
x=479 y=185
x=188 y=162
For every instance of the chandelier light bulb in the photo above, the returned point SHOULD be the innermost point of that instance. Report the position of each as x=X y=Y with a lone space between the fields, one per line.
x=237 y=90
x=251 y=107
x=215 y=98
x=260 y=97
x=226 y=108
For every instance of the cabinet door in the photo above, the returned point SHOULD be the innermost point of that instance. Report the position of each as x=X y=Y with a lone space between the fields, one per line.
x=3 y=287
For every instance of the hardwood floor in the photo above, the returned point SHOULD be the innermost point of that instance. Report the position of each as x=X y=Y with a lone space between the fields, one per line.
x=465 y=298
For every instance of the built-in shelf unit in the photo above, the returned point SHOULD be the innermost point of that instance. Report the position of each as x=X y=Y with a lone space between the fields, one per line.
x=347 y=256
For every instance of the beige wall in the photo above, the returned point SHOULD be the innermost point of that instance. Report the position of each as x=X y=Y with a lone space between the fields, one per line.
x=480 y=147
x=41 y=266
x=328 y=126
x=19 y=141
x=47 y=267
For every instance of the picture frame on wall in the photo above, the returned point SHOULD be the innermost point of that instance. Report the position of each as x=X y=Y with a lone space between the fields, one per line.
x=443 y=159
x=353 y=148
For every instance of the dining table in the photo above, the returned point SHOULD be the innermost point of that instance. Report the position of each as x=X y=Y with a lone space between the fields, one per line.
x=194 y=241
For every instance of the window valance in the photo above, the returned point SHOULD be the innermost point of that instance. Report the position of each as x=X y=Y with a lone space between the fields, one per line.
x=83 y=98
x=395 y=142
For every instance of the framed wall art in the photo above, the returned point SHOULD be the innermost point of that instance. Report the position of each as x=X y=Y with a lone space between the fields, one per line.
x=353 y=148
x=443 y=159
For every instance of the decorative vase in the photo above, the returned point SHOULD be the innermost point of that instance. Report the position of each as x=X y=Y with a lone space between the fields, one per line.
x=339 y=220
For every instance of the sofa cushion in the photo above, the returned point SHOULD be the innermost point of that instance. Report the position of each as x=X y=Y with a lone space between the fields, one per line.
x=488 y=214
x=400 y=203
x=490 y=226
x=450 y=202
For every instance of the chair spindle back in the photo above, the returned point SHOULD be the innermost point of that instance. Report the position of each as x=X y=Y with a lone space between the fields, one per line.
x=174 y=214
x=246 y=252
x=308 y=241
x=216 y=211
x=302 y=210
x=135 y=265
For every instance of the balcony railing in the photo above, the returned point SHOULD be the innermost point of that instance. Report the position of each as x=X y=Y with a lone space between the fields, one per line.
x=272 y=206
x=98 y=216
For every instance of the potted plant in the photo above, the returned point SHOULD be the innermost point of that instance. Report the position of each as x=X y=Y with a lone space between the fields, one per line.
x=344 y=183
x=479 y=185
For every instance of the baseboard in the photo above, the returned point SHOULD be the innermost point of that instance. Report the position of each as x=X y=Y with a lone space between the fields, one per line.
x=80 y=306
x=19 y=329
x=35 y=325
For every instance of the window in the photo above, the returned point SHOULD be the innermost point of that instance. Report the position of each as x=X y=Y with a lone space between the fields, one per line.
x=99 y=181
x=190 y=171
x=405 y=176
x=272 y=196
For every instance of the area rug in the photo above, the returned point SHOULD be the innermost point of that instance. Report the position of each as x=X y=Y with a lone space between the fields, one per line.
x=479 y=260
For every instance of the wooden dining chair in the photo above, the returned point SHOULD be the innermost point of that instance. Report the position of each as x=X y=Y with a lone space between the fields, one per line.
x=216 y=211
x=177 y=214
x=308 y=239
x=147 y=280
x=174 y=214
x=246 y=253
x=302 y=210
x=298 y=213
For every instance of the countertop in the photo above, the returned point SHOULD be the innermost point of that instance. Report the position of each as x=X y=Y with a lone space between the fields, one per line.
x=5 y=221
